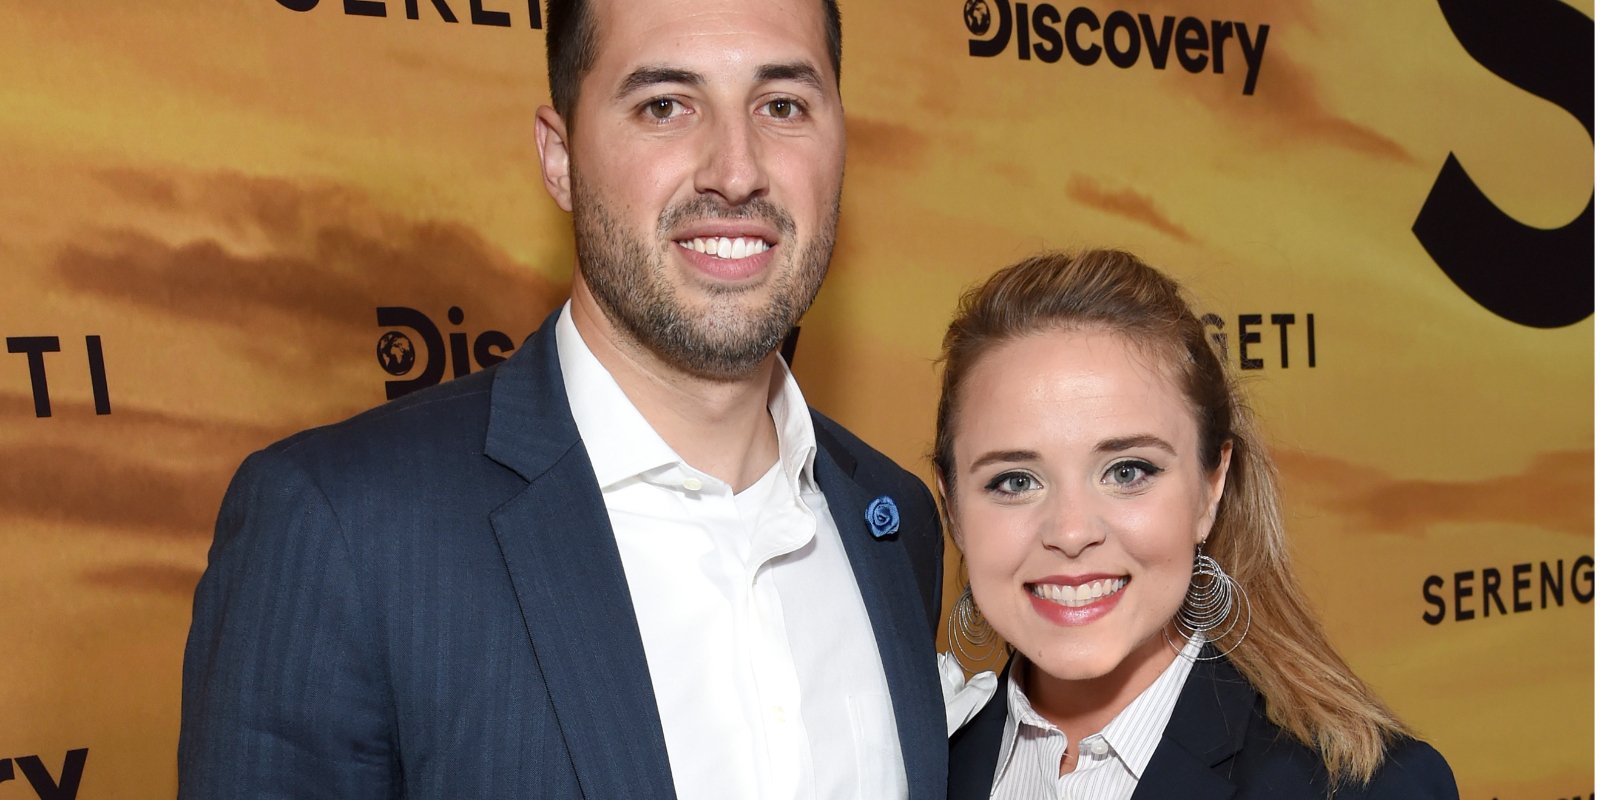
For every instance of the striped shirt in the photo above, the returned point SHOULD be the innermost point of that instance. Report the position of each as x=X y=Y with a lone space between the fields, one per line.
x=1110 y=762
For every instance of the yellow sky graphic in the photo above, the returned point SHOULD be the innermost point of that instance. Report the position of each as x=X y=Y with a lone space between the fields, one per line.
x=225 y=192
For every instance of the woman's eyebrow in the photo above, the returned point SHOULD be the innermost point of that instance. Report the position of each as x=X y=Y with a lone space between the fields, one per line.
x=1129 y=442
x=1004 y=456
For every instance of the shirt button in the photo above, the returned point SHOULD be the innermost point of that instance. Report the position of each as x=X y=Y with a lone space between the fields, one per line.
x=692 y=484
x=1098 y=747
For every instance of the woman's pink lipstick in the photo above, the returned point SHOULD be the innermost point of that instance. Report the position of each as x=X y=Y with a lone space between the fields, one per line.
x=1072 y=600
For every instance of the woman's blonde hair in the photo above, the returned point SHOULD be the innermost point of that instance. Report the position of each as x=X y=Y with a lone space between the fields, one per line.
x=1310 y=691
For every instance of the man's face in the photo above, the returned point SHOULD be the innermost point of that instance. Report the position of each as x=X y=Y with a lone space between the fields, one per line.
x=705 y=163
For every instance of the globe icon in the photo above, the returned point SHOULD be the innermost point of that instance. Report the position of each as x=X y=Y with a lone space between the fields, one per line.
x=977 y=15
x=395 y=353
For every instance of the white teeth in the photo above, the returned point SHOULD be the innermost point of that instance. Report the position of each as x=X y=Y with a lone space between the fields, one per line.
x=725 y=247
x=1081 y=595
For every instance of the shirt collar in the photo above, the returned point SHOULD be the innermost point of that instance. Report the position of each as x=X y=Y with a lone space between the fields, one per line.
x=622 y=445
x=797 y=438
x=1133 y=733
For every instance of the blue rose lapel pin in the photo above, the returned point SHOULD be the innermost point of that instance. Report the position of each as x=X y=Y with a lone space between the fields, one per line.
x=883 y=517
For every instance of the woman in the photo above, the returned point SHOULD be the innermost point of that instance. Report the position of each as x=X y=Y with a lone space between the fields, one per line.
x=1119 y=521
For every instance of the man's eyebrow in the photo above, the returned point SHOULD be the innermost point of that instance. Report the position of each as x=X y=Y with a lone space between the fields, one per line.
x=651 y=76
x=793 y=71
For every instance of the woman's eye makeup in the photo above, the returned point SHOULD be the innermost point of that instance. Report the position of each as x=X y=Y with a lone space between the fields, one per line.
x=1126 y=475
x=1131 y=473
x=1011 y=483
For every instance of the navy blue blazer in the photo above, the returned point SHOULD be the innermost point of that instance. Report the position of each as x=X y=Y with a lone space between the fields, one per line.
x=1219 y=745
x=426 y=601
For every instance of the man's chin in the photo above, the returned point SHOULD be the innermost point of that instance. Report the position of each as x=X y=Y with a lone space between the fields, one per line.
x=718 y=346
x=719 y=365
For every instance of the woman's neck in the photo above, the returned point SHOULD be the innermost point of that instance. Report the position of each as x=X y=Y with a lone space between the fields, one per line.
x=1082 y=707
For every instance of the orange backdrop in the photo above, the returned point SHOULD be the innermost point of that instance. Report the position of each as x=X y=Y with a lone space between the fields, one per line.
x=206 y=205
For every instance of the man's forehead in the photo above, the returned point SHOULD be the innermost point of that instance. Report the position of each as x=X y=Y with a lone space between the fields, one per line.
x=697 y=34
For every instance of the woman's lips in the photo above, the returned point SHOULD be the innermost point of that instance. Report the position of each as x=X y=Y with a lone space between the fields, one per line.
x=1077 y=603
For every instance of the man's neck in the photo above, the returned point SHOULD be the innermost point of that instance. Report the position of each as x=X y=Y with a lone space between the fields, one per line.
x=720 y=427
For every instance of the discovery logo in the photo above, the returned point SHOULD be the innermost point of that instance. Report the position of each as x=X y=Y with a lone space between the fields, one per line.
x=1124 y=39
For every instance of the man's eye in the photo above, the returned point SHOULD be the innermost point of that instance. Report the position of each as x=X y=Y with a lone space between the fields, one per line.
x=783 y=109
x=662 y=108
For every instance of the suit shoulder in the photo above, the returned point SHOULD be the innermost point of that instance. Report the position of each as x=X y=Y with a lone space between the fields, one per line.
x=831 y=434
x=1413 y=769
x=407 y=448
x=826 y=425
x=454 y=411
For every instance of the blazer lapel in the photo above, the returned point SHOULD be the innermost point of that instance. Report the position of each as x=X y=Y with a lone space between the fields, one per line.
x=888 y=588
x=1207 y=729
x=975 y=747
x=562 y=557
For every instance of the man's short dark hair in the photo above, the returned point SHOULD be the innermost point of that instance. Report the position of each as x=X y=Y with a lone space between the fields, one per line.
x=571 y=44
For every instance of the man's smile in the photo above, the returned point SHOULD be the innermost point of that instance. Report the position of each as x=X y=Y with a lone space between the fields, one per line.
x=726 y=247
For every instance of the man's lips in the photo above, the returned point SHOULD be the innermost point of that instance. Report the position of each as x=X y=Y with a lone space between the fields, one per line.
x=726 y=238
x=737 y=260
x=734 y=247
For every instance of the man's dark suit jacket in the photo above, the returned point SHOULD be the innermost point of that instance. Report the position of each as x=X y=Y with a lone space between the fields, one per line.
x=426 y=601
x=1219 y=745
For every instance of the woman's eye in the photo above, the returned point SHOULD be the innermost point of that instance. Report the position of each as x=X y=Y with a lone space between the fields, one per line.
x=1127 y=474
x=1013 y=483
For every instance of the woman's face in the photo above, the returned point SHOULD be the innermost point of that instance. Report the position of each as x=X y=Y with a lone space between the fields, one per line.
x=1078 y=500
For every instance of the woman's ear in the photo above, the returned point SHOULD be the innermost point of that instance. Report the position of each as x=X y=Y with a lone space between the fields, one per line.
x=1215 y=483
x=949 y=514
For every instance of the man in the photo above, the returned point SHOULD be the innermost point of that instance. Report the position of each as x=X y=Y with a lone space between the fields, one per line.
x=628 y=562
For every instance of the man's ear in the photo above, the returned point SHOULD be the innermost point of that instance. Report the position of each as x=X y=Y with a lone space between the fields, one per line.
x=550 y=132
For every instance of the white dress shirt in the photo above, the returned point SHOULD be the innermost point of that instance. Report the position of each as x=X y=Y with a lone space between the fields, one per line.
x=762 y=657
x=1110 y=762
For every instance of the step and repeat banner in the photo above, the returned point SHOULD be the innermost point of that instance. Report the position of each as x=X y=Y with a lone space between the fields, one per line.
x=222 y=222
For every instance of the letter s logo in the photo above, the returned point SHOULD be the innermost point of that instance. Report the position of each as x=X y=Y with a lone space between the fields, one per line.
x=1541 y=278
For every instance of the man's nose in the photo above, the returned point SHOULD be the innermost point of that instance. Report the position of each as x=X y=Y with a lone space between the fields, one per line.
x=731 y=164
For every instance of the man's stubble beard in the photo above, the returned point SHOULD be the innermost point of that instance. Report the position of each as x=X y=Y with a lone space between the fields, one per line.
x=720 y=341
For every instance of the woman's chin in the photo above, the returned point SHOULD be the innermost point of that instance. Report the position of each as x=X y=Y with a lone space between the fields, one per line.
x=1075 y=665
x=1093 y=658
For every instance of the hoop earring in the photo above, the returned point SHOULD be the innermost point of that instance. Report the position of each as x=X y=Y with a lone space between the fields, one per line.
x=1212 y=609
x=969 y=633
